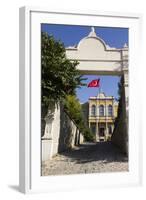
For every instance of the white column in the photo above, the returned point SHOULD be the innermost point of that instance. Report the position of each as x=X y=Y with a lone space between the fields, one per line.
x=97 y=132
x=106 y=127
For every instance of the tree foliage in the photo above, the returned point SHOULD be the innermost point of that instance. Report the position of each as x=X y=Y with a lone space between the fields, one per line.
x=73 y=107
x=120 y=91
x=74 y=110
x=59 y=75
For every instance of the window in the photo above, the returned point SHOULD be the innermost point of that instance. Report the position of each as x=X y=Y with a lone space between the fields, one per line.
x=93 y=110
x=93 y=128
x=101 y=110
x=110 y=110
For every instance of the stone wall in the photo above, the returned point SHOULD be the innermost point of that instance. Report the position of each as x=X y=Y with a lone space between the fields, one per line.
x=61 y=133
x=69 y=133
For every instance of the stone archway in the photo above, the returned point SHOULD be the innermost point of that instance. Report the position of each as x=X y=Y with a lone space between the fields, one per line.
x=96 y=57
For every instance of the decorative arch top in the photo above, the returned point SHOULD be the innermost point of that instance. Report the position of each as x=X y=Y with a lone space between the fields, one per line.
x=92 y=47
x=94 y=55
x=93 y=37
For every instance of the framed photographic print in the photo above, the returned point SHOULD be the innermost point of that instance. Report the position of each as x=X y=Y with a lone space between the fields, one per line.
x=79 y=118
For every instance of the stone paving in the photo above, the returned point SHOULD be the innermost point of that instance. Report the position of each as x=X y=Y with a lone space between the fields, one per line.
x=87 y=158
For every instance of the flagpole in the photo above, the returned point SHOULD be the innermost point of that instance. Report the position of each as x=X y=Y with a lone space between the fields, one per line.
x=96 y=83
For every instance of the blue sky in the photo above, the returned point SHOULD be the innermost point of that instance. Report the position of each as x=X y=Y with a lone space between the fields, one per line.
x=108 y=85
x=71 y=35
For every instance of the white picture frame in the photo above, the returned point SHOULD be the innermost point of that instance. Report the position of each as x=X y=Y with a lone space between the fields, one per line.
x=30 y=150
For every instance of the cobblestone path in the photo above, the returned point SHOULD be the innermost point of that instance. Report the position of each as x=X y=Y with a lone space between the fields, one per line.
x=87 y=158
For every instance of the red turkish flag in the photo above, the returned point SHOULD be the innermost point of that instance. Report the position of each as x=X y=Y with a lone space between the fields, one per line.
x=94 y=83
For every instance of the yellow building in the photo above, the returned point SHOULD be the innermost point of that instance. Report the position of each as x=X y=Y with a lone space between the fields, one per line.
x=102 y=113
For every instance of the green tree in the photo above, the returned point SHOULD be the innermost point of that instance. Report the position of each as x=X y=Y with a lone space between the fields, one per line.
x=59 y=76
x=121 y=82
x=74 y=109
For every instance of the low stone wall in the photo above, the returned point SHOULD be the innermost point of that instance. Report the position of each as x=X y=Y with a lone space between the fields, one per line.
x=61 y=133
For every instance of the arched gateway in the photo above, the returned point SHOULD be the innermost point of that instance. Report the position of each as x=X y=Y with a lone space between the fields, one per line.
x=96 y=57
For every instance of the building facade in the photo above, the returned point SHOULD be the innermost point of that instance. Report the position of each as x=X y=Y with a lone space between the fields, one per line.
x=102 y=113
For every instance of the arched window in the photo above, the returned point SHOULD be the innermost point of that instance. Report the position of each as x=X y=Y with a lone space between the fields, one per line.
x=110 y=110
x=93 y=110
x=101 y=110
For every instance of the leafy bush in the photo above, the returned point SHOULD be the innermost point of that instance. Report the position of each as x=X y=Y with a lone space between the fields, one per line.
x=88 y=135
x=74 y=109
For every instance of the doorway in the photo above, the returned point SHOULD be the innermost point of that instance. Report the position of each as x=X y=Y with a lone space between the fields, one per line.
x=101 y=133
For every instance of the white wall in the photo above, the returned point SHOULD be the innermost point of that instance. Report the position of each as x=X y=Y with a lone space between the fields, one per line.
x=62 y=135
x=9 y=42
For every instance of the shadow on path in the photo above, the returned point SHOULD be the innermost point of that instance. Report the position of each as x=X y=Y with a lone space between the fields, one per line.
x=101 y=151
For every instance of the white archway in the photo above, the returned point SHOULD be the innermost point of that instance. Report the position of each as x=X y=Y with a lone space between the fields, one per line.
x=96 y=57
